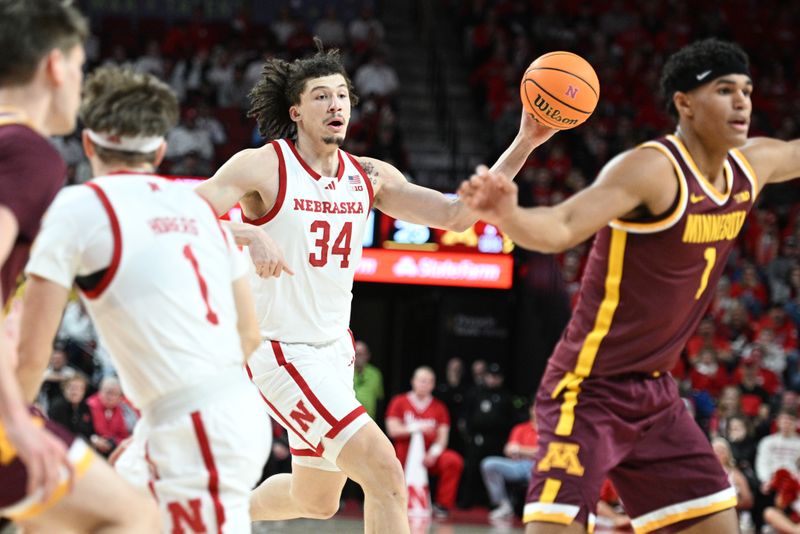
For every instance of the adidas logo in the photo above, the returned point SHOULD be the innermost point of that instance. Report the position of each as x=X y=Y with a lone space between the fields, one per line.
x=331 y=186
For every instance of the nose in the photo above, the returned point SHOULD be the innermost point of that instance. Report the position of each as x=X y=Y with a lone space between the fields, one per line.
x=336 y=104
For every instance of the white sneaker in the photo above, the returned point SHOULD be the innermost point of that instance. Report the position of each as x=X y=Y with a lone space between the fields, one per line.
x=502 y=511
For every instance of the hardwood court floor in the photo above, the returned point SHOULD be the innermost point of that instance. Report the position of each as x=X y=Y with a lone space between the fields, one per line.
x=346 y=525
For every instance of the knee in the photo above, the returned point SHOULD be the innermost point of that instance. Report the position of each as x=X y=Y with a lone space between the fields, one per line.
x=323 y=507
x=453 y=461
x=488 y=464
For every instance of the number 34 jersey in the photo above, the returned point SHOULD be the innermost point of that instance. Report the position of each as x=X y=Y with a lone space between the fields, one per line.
x=319 y=223
x=648 y=283
x=156 y=273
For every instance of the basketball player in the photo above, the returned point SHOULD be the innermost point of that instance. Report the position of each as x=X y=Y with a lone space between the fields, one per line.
x=167 y=290
x=313 y=199
x=40 y=79
x=666 y=216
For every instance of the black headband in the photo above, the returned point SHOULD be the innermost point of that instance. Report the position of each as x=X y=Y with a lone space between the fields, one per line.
x=711 y=70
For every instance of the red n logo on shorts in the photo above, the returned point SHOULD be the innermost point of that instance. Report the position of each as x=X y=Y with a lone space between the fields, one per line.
x=180 y=515
x=302 y=416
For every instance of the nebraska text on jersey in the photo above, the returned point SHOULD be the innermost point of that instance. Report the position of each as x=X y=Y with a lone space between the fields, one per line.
x=323 y=206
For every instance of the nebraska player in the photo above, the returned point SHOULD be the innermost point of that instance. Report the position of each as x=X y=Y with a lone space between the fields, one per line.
x=167 y=291
x=313 y=199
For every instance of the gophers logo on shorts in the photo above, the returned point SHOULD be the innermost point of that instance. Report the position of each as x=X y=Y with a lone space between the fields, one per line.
x=562 y=456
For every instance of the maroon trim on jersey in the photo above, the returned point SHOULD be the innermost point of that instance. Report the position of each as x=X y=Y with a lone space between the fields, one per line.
x=281 y=191
x=366 y=179
x=213 y=475
x=300 y=381
x=314 y=174
x=151 y=484
x=117 y=252
x=216 y=218
x=344 y=421
x=286 y=424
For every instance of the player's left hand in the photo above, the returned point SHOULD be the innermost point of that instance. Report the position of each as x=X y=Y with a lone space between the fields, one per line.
x=43 y=454
x=533 y=130
x=491 y=195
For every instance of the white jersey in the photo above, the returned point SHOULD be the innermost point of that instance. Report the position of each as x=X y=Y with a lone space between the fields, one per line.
x=156 y=271
x=318 y=222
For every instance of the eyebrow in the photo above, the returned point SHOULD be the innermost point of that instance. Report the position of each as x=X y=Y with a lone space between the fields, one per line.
x=728 y=80
x=326 y=87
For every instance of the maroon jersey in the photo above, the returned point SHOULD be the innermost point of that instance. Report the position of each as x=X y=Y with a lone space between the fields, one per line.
x=31 y=173
x=648 y=284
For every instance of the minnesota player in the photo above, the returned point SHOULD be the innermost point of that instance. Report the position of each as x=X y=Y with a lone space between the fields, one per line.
x=313 y=199
x=666 y=215
x=40 y=79
x=168 y=292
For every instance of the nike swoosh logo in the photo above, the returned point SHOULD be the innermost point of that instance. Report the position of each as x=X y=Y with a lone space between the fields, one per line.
x=703 y=75
x=694 y=199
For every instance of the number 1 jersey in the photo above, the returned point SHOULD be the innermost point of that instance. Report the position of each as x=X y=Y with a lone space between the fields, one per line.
x=319 y=223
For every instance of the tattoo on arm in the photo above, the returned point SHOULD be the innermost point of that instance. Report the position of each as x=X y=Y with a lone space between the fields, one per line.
x=371 y=171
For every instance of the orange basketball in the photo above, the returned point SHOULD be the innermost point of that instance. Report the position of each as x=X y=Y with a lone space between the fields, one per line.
x=560 y=90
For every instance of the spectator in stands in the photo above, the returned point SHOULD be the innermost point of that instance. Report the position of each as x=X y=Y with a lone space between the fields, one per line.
x=330 y=29
x=779 y=269
x=707 y=337
x=365 y=27
x=778 y=451
x=71 y=411
x=188 y=136
x=367 y=380
x=376 y=78
x=283 y=26
x=207 y=121
x=489 y=417
x=784 y=516
x=191 y=165
x=478 y=372
x=707 y=373
x=514 y=467
x=56 y=374
x=453 y=393
x=739 y=435
x=108 y=416
x=729 y=405
x=152 y=62
x=737 y=479
x=418 y=410
x=751 y=290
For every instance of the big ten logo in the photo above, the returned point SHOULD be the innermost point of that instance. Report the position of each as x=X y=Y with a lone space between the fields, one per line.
x=191 y=517
x=561 y=456
x=302 y=416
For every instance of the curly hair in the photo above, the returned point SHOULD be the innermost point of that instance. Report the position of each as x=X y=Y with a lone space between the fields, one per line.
x=282 y=83
x=30 y=29
x=684 y=68
x=121 y=102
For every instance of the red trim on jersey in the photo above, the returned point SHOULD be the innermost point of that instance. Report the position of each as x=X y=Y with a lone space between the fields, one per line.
x=352 y=338
x=300 y=381
x=213 y=476
x=281 y=191
x=366 y=179
x=153 y=469
x=117 y=252
x=304 y=452
x=314 y=174
x=344 y=421
x=216 y=218
x=286 y=424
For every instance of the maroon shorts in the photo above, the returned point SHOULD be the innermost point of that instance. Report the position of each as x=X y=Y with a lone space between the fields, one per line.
x=634 y=430
x=13 y=475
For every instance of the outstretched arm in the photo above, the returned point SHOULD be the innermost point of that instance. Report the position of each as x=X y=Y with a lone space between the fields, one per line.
x=773 y=160
x=400 y=199
x=623 y=185
x=249 y=172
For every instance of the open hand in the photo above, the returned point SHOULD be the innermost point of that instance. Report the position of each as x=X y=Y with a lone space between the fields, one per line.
x=492 y=196
x=43 y=454
x=533 y=130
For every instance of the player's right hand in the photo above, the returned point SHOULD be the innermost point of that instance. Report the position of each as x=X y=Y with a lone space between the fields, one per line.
x=267 y=256
x=43 y=455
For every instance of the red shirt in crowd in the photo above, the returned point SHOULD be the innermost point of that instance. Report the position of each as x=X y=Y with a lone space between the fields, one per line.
x=408 y=408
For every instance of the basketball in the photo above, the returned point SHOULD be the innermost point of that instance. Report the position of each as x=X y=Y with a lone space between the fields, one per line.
x=560 y=90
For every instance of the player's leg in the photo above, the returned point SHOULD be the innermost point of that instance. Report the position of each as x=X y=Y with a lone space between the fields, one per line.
x=448 y=467
x=306 y=492
x=724 y=521
x=778 y=520
x=369 y=459
x=552 y=528
x=100 y=502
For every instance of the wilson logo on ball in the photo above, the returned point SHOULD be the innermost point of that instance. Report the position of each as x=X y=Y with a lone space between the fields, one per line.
x=552 y=113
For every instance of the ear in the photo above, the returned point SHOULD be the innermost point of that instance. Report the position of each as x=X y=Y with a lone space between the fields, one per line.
x=54 y=66
x=683 y=103
x=294 y=113
x=161 y=151
x=88 y=146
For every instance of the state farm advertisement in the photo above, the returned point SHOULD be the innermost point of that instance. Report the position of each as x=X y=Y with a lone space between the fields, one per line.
x=435 y=268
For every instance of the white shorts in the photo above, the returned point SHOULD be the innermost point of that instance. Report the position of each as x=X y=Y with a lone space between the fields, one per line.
x=309 y=390
x=201 y=464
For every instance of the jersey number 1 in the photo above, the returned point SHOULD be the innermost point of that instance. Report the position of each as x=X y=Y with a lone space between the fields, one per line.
x=710 y=255
x=188 y=253
x=341 y=245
